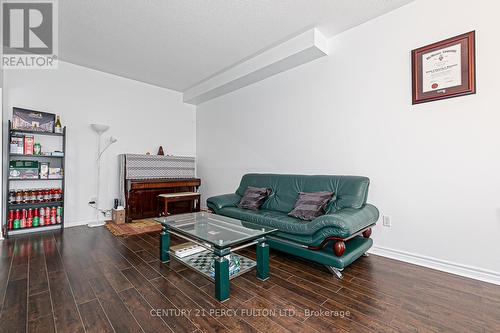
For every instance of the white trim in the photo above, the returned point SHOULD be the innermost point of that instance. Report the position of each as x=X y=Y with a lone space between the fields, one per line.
x=70 y=224
x=441 y=265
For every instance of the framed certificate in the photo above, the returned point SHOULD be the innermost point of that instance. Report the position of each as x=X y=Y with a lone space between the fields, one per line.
x=444 y=69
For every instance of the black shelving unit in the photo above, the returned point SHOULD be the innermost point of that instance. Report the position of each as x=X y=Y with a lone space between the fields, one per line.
x=59 y=161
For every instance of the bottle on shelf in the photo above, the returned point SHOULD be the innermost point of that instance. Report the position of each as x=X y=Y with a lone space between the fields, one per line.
x=39 y=195
x=12 y=196
x=46 y=195
x=19 y=197
x=58 y=126
x=33 y=196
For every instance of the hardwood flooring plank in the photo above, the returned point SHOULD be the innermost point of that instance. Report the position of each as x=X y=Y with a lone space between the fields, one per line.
x=52 y=258
x=303 y=292
x=20 y=260
x=262 y=293
x=181 y=301
x=19 y=272
x=94 y=318
x=209 y=305
x=367 y=319
x=39 y=305
x=38 y=281
x=141 y=310
x=236 y=292
x=261 y=323
x=15 y=312
x=119 y=316
x=67 y=318
x=131 y=243
x=194 y=277
x=79 y=281
x=42 y=325
x=146 y=270
x=5 y=265
x=146 y=256
x=178 y=322
x=115 y=277
x=154 y=238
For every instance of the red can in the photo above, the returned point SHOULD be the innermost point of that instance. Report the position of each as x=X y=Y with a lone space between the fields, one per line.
x=53 y=215
x=24 y=214
x=42 y=215
x=10 y=224
x=36 y=217
x=29 y=218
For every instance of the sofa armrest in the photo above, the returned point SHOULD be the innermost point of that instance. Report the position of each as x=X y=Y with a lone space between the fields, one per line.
x=349 y=221
x=226 y=200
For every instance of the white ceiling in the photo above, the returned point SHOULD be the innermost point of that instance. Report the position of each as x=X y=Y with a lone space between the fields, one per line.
x=178 y=43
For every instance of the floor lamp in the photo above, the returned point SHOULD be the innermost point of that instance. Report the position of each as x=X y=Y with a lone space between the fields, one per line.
x=100 y=129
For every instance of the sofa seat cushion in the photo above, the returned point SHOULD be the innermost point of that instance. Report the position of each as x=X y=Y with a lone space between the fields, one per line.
x=268 y=218
x=343 y=223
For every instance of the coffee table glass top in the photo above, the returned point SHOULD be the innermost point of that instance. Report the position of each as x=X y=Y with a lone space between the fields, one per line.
x=217 y=230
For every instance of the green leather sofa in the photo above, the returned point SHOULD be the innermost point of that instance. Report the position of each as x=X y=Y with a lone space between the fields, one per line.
x=335 y=239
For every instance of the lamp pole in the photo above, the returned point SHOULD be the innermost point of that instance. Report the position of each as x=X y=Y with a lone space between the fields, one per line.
x=99 y=129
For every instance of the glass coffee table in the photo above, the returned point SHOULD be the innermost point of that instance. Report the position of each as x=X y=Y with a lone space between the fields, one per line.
x=219 y=237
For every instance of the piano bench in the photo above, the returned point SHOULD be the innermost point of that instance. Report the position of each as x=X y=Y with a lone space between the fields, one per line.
x=165 y=199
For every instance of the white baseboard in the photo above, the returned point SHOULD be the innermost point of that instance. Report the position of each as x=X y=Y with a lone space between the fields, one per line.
x=70 y=224
x=441 y=265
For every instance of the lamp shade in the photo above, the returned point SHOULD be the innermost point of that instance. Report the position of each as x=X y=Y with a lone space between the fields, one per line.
x=99 y=128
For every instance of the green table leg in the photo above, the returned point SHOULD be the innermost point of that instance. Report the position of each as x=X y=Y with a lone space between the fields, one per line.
x=164 y=245
x=262 y=261
x=221 y=278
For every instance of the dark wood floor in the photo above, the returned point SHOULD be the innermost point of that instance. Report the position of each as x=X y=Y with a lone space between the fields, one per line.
x=86 y=280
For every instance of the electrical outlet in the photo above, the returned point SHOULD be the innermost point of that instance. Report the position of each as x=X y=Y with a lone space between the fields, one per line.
x=386 y=221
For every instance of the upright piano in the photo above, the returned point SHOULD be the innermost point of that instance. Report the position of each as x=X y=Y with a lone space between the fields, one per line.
x=144 y=177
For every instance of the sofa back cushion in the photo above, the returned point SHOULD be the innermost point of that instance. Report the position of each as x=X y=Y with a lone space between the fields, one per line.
x=349 y=191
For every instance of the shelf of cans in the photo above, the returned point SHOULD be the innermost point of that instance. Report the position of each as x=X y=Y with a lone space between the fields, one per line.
x=27 y=196
x=34 y=217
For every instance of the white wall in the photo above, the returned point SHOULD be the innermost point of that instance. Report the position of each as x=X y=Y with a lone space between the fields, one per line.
x=1 y=177
x=141 y=116
x=434 y=167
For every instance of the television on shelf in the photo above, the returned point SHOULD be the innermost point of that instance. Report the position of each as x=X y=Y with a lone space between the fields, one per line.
x=31 y=120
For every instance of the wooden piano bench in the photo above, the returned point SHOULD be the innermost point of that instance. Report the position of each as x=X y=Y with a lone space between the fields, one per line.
x=165 y=199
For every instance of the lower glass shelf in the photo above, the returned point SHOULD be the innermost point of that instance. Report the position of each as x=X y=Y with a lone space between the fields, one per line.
x=202 y=263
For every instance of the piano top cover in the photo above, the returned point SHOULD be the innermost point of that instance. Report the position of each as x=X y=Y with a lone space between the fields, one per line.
x=150 y=167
